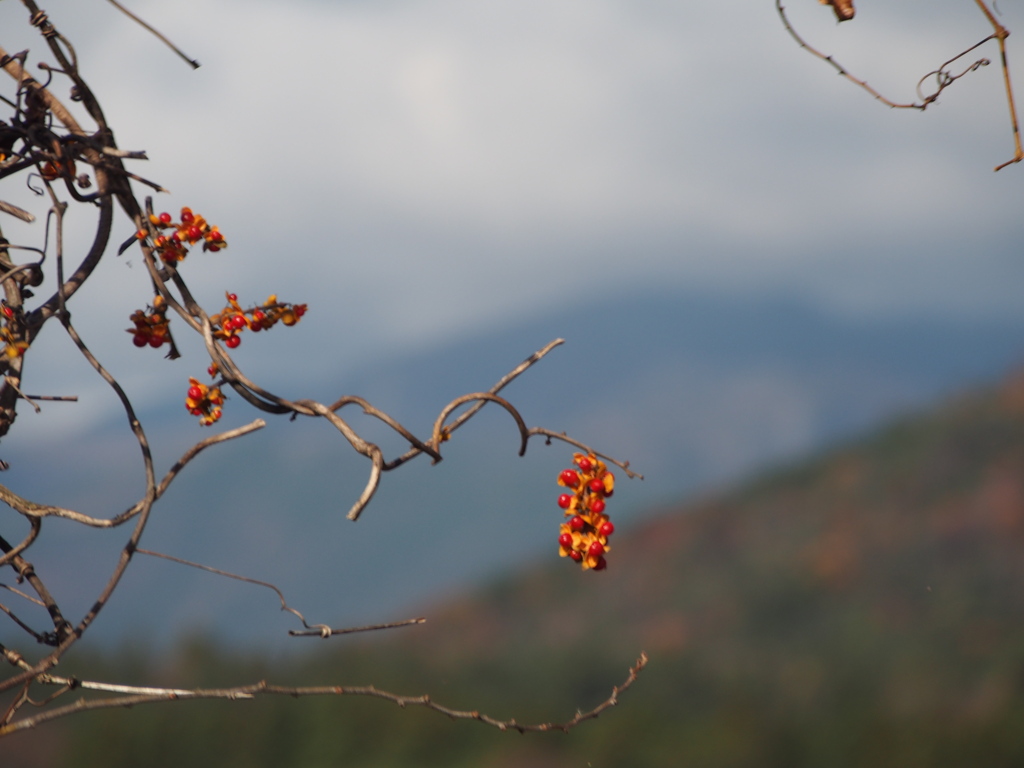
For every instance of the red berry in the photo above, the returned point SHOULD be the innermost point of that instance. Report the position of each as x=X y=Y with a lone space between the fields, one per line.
x=195 y=393
x=601 y=564
x=565 y=500
x=213 y=248
x=258 y=315
x=232 y=297
x=596 y=549
x=140 y=340
x=194 y=233
x=165 y=218
x=607 y=528
x=212 y=370
x=569 y=477
x=565 y=540
x=233 y=341
x=576 y=523
x=256 y=328
x=575 y=555
x=156 y=341
x=585 y=464
x=8 y=312
x=597 y=505
x=187 y=216
x=300 y=309
x=196 y=411
x=596 y=486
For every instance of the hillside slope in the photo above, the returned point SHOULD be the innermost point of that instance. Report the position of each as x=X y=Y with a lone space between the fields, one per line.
x=861 y=609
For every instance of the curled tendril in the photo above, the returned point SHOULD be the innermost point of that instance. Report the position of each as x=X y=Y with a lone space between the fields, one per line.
x=945 y=79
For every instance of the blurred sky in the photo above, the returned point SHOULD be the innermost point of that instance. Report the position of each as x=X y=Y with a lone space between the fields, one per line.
x=417 y=170
x=420 y=172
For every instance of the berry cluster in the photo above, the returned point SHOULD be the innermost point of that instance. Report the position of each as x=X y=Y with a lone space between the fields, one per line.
x=584 y=535
x=190 y=230
x=51 y=171
x=13 y=346
x=151 y=325
x=204 y=402
x=233 y=319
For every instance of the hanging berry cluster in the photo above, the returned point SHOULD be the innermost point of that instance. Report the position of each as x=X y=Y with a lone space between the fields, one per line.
x=13 y=345
x=204 y=402
x=189 y=230
x=233 y=319
x=584 y=535
x=151 y=325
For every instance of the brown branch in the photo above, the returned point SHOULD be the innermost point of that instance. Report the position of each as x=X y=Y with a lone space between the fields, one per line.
x=19 y=213
x=15 y=705
x=442 y=433
x=839 y=68
x=33 y=510
x=507 y=379
x=10 y=614
x=328 y=632
x=13 y=67
x=318 y=628
x=504 y=381
x=33 y=534
x=370 y=410
x=23 y=595
x=263 y=689
x=550 y=435
x=27 y=571
x=1001 y=33
x=191 y=62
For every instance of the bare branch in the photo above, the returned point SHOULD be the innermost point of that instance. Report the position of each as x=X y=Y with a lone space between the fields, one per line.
x=265 y=689
x=327 y=632
x=319 y=628
x=623 y=465
x=442 y=433
x=191 y=62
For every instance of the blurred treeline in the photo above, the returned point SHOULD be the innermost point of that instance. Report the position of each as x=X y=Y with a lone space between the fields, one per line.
x=865 y=608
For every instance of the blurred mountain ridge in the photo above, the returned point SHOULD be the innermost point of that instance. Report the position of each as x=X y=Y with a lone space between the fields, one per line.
x=695 y=390
x=857 y=608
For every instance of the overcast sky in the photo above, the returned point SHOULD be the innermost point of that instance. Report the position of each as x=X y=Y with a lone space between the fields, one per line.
x=416 y=170
x=423 y=170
